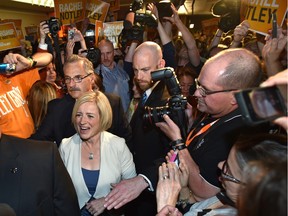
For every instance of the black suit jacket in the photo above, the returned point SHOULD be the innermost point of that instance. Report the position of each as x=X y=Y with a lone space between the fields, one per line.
x=149 y=142
x=57 y=123
x=34 y=180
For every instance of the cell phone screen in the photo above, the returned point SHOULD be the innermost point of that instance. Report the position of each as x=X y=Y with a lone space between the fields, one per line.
x=261 y=104
x=265 y=103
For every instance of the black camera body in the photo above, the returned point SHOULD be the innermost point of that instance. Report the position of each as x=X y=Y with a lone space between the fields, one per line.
x=176 y=104
x=54 y=25
x=130 y=33
x=229 y=13
x=143 y=16
x=94 y=55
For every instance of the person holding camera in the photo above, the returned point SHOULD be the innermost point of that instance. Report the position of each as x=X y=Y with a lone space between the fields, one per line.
x=149 y=143
x=15 y=118
x=213 y=133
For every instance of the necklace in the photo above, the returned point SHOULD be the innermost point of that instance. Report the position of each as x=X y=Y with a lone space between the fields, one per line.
x=91 y=154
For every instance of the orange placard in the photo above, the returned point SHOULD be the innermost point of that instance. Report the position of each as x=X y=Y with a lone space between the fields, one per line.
x=96 y=10
x=18 y=26
x=8 y=36
x=259 y=13
x=112 y=31
x=69 y=11
x=98 y=31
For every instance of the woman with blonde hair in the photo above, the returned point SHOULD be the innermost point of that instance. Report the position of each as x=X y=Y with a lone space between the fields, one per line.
x=95 y=158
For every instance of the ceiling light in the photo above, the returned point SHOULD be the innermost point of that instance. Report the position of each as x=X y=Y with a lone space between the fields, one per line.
x=44 y=3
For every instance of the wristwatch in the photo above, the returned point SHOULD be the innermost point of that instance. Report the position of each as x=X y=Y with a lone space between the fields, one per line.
x=32 y=62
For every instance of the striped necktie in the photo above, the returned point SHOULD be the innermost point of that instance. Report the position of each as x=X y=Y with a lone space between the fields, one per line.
x=144 y=98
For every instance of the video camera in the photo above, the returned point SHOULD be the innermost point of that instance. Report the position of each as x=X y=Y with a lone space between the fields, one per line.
x=176 y=104
x=229 y=13
x=134 y=31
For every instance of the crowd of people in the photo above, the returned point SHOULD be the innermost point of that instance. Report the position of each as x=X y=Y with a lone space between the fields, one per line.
x=83 y=142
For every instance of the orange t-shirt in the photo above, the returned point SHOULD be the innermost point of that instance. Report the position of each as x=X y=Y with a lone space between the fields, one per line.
x=15 y=118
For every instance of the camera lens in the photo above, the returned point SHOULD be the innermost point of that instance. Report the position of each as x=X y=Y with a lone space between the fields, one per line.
x=153 y=115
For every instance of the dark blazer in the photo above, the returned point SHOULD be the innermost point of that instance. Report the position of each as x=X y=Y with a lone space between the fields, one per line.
x=34 y=180
x=149 y=142
x=57 y=123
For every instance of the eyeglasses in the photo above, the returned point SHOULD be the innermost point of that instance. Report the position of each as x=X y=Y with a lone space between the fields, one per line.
x=226 y=176
x=76 y=79
x=204 y=92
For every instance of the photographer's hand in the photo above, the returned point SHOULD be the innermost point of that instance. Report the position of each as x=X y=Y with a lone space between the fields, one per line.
x=169 y=128
x=44 y=30
x=152 y=7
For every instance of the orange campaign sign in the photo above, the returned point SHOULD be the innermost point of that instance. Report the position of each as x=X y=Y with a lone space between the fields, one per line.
x=69 y=11
x=8 y=36
x=98 y=31
x=96 y=10
x=18 y=24
x=112 y=31
x=259 y=13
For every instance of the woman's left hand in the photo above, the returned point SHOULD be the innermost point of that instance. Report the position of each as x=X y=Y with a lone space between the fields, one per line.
x=96 y=207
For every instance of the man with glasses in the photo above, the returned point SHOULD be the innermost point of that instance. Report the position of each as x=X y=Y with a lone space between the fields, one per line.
x=213 y=134
x=79 y=78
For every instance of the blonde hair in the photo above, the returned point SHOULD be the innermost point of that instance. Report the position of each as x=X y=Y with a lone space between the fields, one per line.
x=38 y=97
x=103 y=105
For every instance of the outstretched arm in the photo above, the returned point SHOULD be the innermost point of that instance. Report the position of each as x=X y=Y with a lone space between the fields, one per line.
x=272 y=51
x=199 y=187
x=188 y=38
x=23 y=63
x=124 y=192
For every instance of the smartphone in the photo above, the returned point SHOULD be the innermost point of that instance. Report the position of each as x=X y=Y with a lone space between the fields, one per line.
x=274 y=25
x=71 y=33
x=261 y=104
x=175 y=158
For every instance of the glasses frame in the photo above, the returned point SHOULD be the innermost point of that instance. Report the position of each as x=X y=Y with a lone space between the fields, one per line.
x=72 y=78
x=228 y=177
x=204 y=92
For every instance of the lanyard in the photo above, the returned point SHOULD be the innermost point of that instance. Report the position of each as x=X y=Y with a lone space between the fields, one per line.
x=203 y=130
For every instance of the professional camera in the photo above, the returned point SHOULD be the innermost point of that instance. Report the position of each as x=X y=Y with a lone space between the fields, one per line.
x=94 y=55
x=134 y=31
x=54 y=25
x=130 y=33
x=229 y=13
x=176 y=104
x=143 y=16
